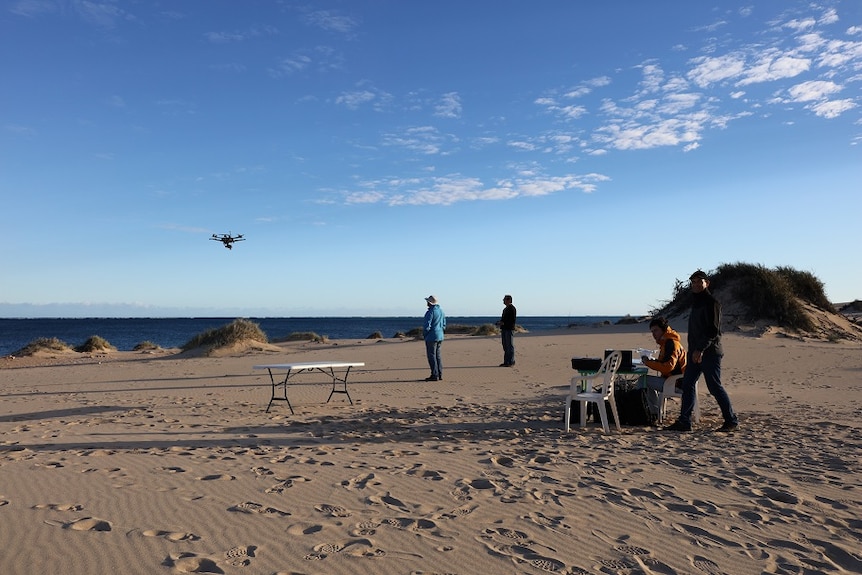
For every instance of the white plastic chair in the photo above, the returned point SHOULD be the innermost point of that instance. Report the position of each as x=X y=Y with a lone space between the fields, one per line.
x=672 y=390
x=580 y=390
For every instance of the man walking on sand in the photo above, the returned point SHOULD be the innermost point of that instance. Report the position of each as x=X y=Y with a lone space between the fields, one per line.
x=704 y=356
x=507 y=331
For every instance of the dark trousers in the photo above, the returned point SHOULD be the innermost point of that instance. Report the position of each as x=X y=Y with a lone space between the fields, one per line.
x=508 y=336
x=710 y=367
x=435 y=362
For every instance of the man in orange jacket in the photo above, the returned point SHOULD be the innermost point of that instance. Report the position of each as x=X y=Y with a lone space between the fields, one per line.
x=670 y=360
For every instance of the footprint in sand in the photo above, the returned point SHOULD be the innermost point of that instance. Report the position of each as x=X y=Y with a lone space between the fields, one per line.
x=462 y=511
x=360 y=481
x=298 y=529
x=170 y=535
x=520 y=552
x=59 y=506
x=85 y=524
x=355 y=547
x=332 y=510
x=192 y=563
x=391 y=502
x=503 y=461
x=217 y=478
x=553 y=523
x=240 y=556
x=365 y=528
x=252 y=507
x=286 y=484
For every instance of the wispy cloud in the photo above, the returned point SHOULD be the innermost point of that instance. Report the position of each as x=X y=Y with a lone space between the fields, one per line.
x=426 y=140
x=226 y=37
x=365 y=94
x=456 y=188
x=320 y=58
x=106 y=14
x=449 y=106
x=332 y=21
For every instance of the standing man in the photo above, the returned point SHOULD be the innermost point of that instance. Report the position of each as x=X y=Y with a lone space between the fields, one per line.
x=432 y=330
x=704 y=355
x=507 y=329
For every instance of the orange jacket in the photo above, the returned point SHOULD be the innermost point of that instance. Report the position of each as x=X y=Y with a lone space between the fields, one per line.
x=671 y=355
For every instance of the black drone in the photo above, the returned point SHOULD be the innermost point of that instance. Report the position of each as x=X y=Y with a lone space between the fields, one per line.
x=227 y=239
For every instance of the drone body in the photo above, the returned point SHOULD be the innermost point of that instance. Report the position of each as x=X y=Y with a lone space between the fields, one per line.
x=227 y=239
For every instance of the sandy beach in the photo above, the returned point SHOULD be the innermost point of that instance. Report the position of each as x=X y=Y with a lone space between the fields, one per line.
x=142 y=463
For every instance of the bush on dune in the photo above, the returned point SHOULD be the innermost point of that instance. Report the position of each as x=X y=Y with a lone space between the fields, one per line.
x=765 y=294
x=43 y=344
x=95 y=343
x=304 y=336
x=238 y=331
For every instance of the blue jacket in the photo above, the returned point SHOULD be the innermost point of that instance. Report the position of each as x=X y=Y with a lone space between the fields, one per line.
x=435 y=323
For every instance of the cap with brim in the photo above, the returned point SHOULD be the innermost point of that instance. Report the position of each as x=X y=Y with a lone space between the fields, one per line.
x=699 y=275
x=431 y=299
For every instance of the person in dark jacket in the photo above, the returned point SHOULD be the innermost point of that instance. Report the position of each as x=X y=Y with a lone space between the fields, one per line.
x=507 y=330
x=433 y=327
x=704 y=355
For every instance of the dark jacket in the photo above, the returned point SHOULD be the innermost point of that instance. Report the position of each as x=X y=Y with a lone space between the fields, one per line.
x=704 y=324
x=507 y=321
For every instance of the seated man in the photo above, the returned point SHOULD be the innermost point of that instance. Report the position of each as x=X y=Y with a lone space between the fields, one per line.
x=670 y=361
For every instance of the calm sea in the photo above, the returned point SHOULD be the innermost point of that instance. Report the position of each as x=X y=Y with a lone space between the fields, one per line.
x=126 y=333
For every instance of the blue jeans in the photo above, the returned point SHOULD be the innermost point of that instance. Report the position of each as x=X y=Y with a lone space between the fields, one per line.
x=508 y=346
x=435 y=362
x=710 y=367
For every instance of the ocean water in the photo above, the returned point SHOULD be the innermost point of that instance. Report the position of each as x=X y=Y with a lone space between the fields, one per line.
x=126 y=333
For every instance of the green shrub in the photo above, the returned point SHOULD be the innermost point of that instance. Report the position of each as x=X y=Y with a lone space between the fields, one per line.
x=95 y=343
x=236 y=331
x=771 y=294
x=146 y=346
x=43 y=344
x=304 y=336
x=485 y=329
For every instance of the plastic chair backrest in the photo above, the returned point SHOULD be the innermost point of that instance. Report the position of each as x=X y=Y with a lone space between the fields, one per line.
x=608 y=369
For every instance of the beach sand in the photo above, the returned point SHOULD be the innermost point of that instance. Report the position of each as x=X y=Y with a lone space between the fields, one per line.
x=132 y=463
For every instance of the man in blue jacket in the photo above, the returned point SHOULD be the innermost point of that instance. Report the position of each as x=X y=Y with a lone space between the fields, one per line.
x=432 y=330
x=704 y=355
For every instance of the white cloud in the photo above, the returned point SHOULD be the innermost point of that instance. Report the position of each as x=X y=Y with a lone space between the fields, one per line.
x=355 y=99
x=290 y=64
x=31 y=8
x=445 y=191
x=829 y=17
x=708 y=70
x=449 y=106
x=813 y=90
x=772 y=66
x=423 y=139
x=332 y=21
x=832 y=108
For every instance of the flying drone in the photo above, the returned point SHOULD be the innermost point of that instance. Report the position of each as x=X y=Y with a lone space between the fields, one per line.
x=228 y=239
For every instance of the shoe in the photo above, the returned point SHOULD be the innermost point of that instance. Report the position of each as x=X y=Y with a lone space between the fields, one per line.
x=505 y=365
x=432 y=378
x=678 y=426
x=728 y=427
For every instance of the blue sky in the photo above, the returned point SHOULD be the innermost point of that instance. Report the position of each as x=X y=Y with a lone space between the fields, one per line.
x=582 y=156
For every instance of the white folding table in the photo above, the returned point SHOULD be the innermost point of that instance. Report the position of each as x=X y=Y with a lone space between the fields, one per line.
x=293 y=369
